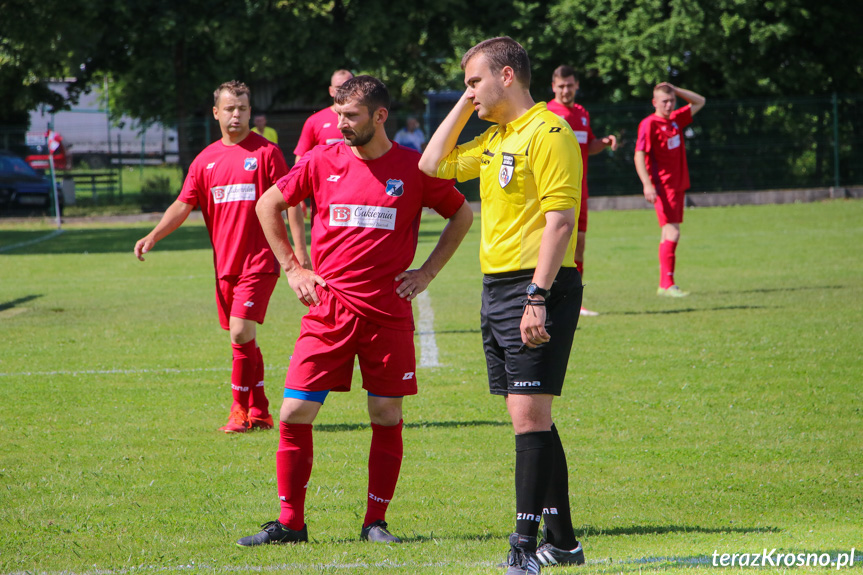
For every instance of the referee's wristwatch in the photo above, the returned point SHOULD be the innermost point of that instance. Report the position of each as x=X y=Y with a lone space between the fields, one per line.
x=534 y=289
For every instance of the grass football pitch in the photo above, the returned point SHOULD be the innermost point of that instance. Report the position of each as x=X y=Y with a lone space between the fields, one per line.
x=726 y=422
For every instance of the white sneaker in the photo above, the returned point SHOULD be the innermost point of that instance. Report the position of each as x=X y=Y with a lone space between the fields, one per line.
x=588 y=313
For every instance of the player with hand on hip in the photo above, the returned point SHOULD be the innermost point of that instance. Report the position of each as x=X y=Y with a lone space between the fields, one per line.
x=369 y=197
x=564 y=84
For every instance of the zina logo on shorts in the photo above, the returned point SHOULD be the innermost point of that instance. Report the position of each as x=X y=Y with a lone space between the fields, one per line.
x=526 y=383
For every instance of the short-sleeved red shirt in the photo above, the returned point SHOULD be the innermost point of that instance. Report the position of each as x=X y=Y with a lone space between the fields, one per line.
x=320 y=128
x=365 y=223
x=579 y=120
x=226 y=182
x=663 y=143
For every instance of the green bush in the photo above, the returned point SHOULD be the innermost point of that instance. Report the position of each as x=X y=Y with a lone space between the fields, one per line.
x=156 y=194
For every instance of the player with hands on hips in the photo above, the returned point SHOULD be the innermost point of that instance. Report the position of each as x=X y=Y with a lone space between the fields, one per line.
x=369 y=197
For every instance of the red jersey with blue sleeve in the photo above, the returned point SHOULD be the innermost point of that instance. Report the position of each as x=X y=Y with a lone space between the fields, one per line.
x=365 y=223
x=579 y=120
x=320 y=128
x=226 y=182
x=663 y=144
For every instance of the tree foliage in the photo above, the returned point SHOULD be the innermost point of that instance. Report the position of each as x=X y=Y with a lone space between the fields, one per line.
x=164 y=57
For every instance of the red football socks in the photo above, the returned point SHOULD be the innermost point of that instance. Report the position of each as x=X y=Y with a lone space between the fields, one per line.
x=385 y=461
x=666 y=263
x=259 y=406
x=293 y=470
x=243 y=374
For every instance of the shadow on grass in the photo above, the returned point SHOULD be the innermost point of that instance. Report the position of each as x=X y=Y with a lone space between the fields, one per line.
x=686 y=310
x=16 y=302
x=589 y=530
x=776 y=290
x=109 y=240
x=335 y=427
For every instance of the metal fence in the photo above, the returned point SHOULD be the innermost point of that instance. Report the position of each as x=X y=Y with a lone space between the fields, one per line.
x=732 y=145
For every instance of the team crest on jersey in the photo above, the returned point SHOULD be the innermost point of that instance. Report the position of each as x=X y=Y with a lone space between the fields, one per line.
x=507 y=167
x=675 y=125
x=583 y=121
x=250 y=164
x=395 y=188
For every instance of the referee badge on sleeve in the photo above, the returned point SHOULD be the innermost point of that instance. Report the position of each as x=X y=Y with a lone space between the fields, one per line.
x=507 y=166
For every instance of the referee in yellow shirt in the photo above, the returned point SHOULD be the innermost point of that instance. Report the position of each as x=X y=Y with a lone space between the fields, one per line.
x=529 y=166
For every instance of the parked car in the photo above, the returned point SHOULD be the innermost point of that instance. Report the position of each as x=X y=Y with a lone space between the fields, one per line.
x=37 y=155
x=21 y=186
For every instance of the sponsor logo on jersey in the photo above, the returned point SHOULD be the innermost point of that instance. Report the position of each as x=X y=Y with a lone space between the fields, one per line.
x=395 y=188
x=581 y=136
x=334 y=140
x=233 y=193
x=674 y=142
x=408 y=375
x=210 y=165
x=355 y=216
x=507 y=166
x=526 y=383
x=333 y=178
x=250 y=164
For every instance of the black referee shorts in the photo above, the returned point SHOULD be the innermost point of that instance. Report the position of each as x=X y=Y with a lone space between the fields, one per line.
x=512 y=366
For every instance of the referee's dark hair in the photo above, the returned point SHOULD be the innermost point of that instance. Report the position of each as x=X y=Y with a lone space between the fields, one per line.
x=368 y=90
x=564 y=71
x=500 y=52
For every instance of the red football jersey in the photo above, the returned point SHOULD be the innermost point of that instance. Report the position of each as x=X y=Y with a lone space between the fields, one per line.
x=365 y=223
x=579 y=120
x=320 y=128
x=663 y=143
x=226 y=182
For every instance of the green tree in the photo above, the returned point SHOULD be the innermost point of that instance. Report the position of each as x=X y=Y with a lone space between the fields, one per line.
x=39 y=40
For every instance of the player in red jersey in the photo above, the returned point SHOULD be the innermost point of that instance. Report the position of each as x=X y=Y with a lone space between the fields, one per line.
x=660 y=160
x=225 y=180
x=320 y=128
x=564 y=84
x=368 y=195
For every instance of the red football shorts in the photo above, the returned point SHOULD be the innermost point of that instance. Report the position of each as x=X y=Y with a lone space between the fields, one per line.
x=331 y=336
x=669 y=206
x=582 y=214
x=245 y=296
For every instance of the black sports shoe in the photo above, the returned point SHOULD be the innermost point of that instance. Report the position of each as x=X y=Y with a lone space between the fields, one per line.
x=549 y=555
x=522 y=555
x=275 y=532
x=377 y=532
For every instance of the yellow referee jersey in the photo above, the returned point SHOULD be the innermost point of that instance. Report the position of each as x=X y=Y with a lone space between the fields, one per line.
x=526 y=168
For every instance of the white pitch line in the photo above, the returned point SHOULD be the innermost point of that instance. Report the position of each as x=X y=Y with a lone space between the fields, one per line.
x=113 y=371
x=428 y=343
x=53 y=234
